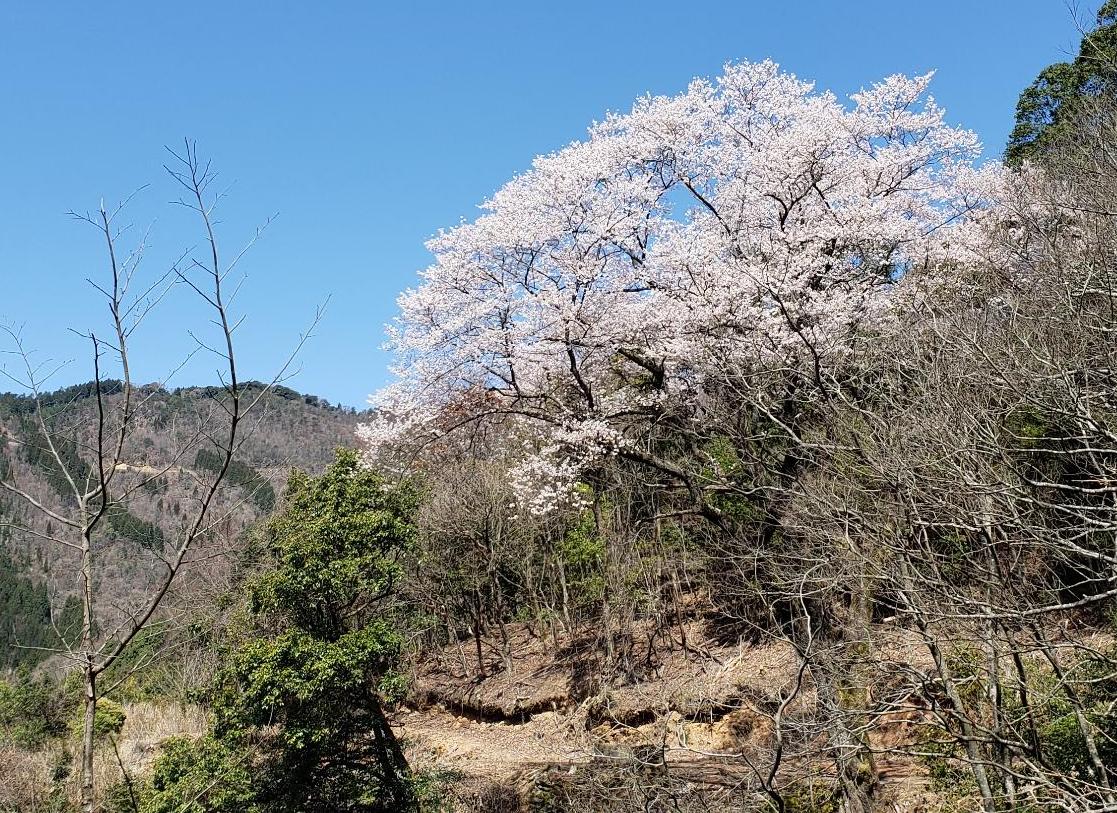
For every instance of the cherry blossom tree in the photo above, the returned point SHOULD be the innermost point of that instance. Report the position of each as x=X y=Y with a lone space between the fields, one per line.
x=747 y=224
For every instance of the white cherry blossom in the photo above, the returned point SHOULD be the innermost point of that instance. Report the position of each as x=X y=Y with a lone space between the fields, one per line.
x=746 y=222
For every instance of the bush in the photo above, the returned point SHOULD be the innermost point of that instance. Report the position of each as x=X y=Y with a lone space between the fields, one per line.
x=33 y=710
x=802 y=797
x=1065 y=747
x=108 y=719
x=199 y=776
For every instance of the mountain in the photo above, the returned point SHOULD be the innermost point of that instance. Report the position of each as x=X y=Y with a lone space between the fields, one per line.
x=168 y=460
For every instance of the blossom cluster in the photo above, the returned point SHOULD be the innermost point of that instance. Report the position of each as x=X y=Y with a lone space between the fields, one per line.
x=747 y=221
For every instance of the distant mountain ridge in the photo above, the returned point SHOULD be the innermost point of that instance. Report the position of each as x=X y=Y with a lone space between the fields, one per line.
x=288 y=430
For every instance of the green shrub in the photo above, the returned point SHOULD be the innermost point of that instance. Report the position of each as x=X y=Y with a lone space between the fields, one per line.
x=804 y=798
x=108 y=719
x=583 y=555
x=203 y=775
x=941 y=756
x=33 y=710
x=1065 y=747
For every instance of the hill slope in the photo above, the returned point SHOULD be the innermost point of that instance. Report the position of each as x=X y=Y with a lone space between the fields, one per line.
x=37 y=576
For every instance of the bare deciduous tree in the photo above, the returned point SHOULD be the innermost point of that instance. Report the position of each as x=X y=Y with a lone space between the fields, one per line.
x=94 y=457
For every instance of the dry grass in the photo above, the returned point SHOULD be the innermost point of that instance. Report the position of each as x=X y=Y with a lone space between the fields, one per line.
x=146 y=726
x=27 y=782
x=25 y=778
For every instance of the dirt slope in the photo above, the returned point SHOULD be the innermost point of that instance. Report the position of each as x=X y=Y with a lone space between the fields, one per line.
x=692 y=719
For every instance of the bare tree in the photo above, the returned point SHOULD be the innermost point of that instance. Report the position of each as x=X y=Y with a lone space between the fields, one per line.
x=94 y=455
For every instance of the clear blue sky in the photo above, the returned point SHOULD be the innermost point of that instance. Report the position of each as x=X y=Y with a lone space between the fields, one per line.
x=368 y=126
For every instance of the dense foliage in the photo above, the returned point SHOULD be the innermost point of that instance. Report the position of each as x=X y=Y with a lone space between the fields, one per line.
x=26 y=405
x=301 y=694
x=33 y=710
x=240 y=474
x=1054 y=107
x=30 y=627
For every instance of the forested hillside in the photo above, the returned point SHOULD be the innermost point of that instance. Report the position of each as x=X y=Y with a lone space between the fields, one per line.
x=37 y=579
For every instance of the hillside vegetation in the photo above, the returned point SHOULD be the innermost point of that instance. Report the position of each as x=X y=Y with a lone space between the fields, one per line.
x=757 y=453
x=291 y=431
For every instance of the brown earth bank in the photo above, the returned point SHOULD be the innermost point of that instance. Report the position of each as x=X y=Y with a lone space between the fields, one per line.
x=692 y=730
x=689 y=729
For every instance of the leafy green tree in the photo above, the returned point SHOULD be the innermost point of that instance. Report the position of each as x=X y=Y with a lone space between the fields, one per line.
x=1050 y=109
x=310 y=678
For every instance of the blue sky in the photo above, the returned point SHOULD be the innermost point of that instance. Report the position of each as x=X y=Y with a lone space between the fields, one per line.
x=368 y=126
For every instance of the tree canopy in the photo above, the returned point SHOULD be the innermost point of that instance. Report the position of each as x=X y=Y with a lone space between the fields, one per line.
x=1048 y=109
x=299 y=699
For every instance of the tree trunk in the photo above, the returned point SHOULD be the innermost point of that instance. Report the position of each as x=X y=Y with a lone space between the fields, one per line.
x=90 y=686
x=477 y=632
x=89 y=669
x=565 y=591
x=395 y=774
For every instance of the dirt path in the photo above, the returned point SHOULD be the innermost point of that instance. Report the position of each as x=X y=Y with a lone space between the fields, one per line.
x=492 y=750
x=505 y=752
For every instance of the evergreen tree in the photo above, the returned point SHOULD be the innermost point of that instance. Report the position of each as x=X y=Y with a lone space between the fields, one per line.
x=1050 y=108
x=316 y=663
